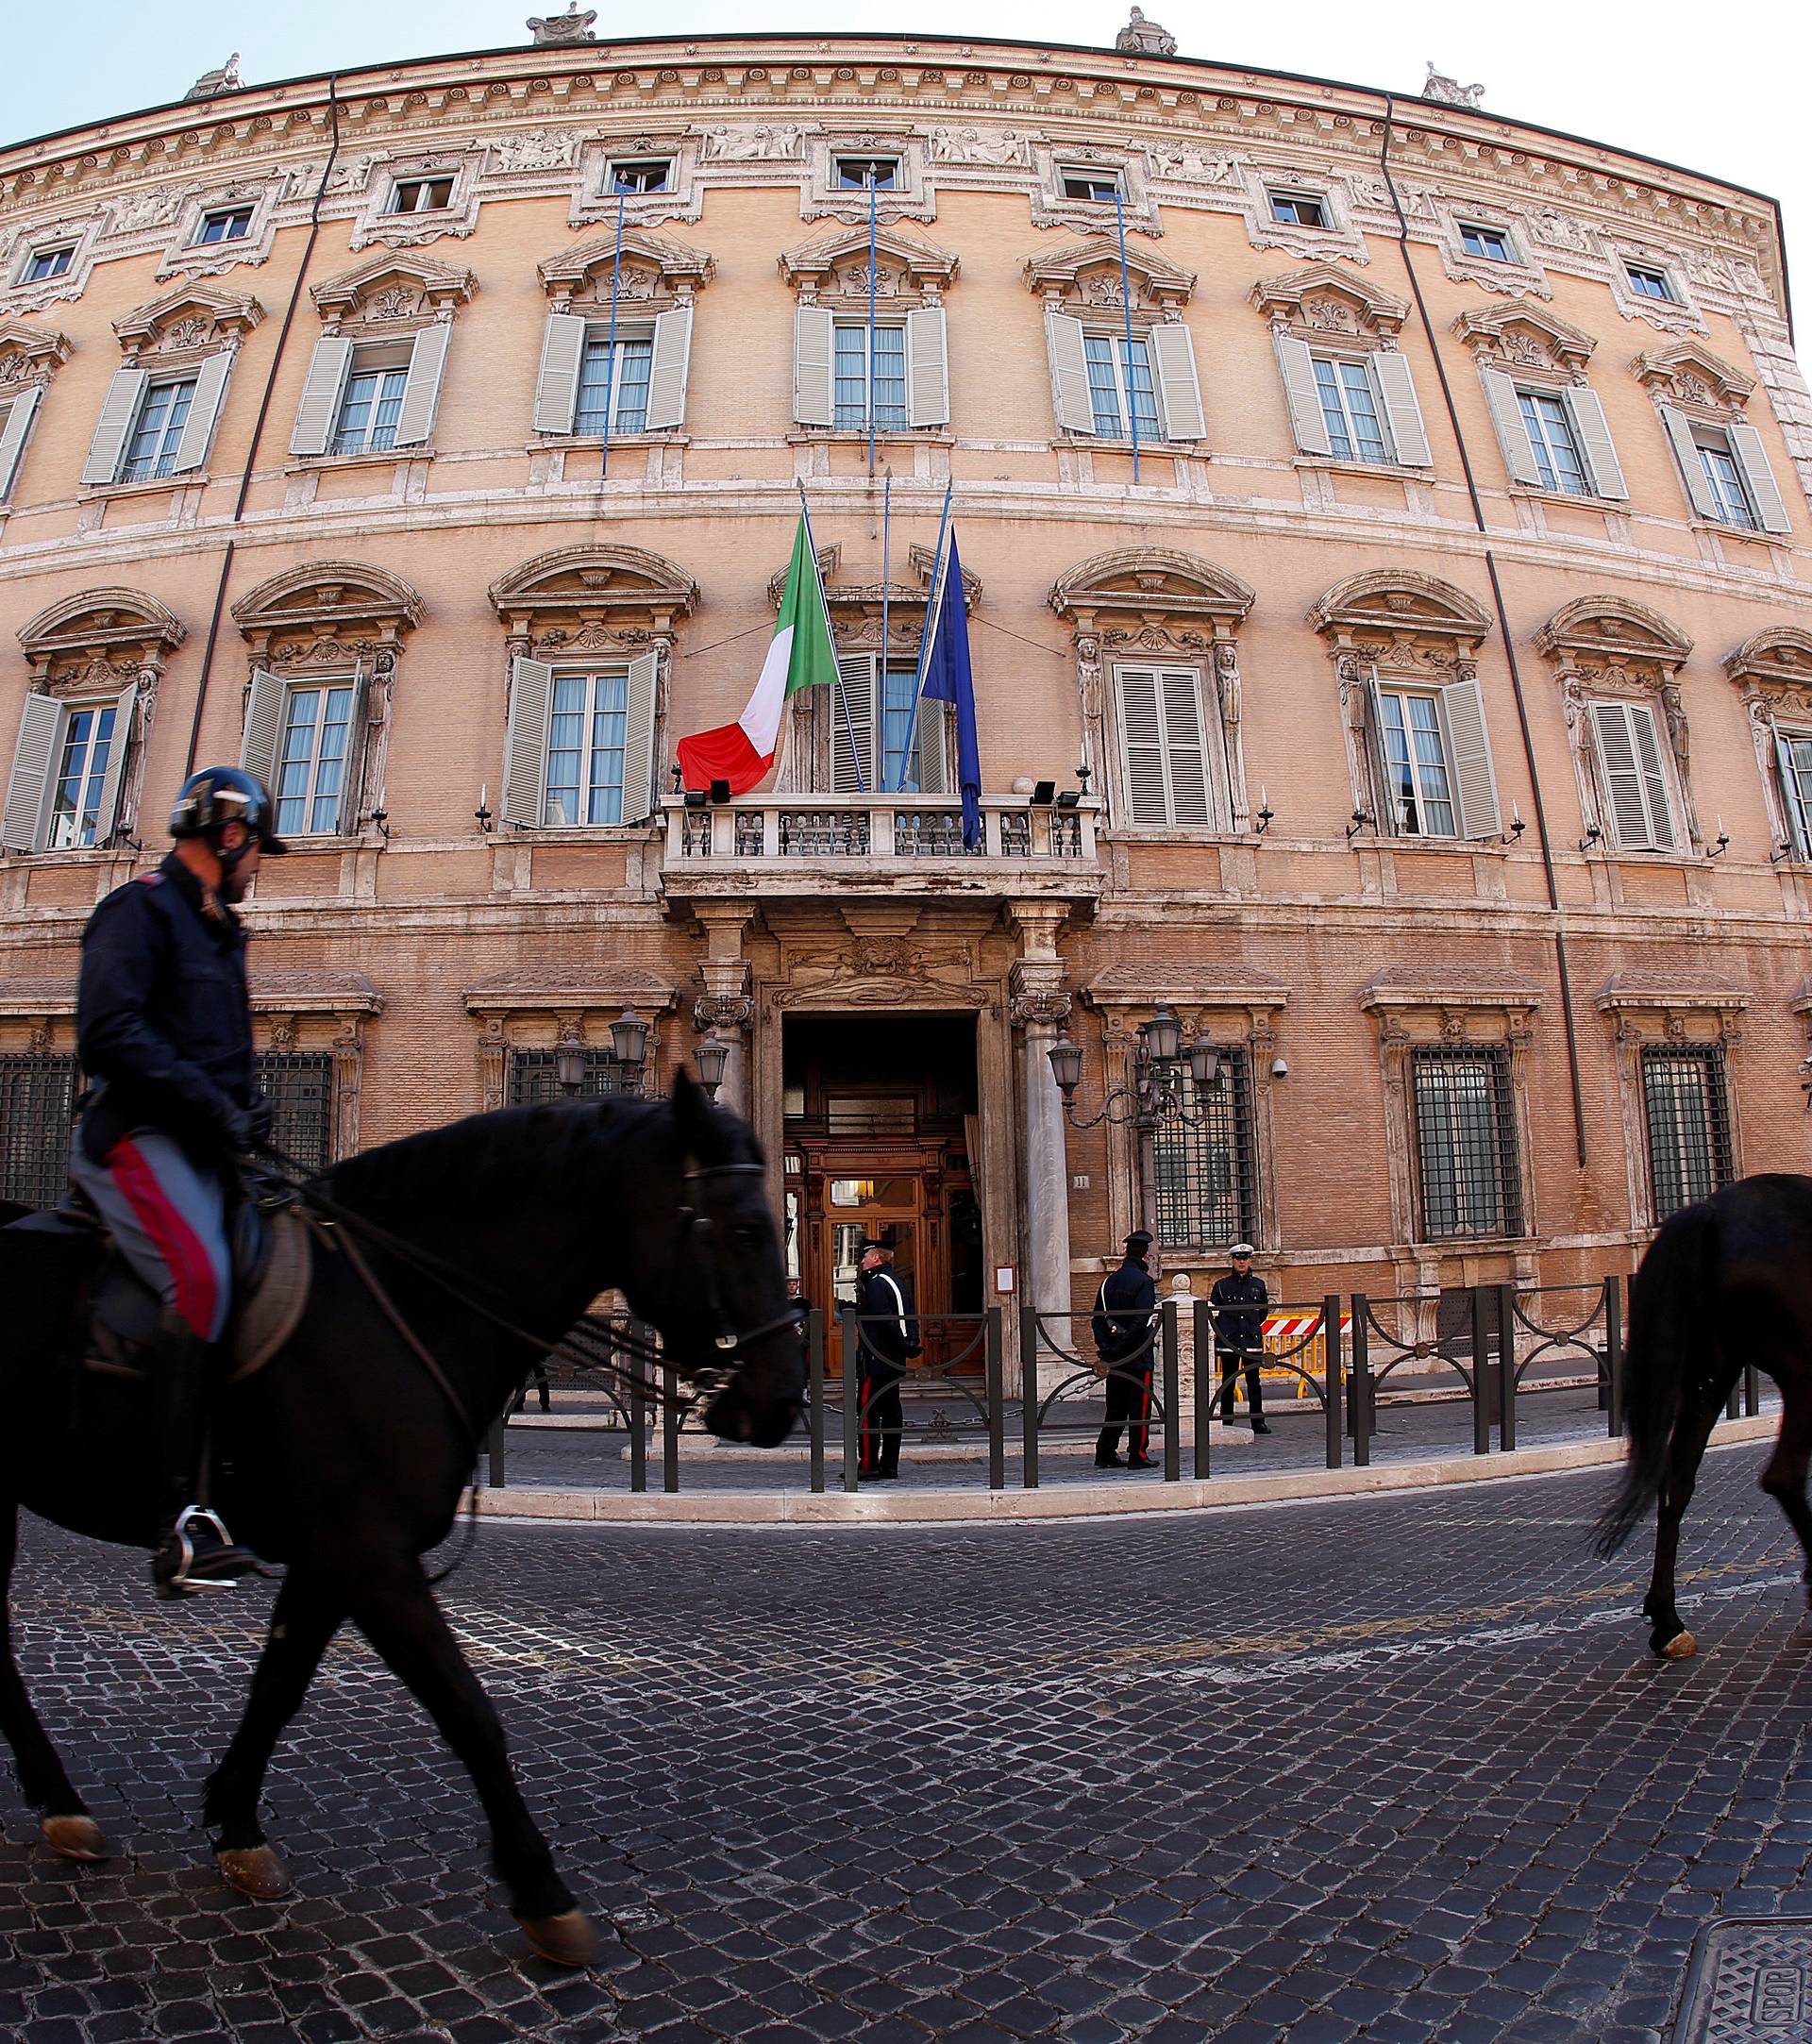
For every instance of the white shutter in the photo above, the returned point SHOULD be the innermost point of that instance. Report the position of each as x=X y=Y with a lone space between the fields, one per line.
x=1799 y=825
x=1397 y=386
x=928 y=367
x=638 y=738
x=345 y=819
x=1601 y=464
x=852 y=717
x=562 y=348
x=114 y=777
x=1069 y=396
x=1655 y=779
x=933 y=747
x=1512 y=435
x=1387 y=821
x=422 y=391
x=1692 y=470
x=668 y=370
x=1148 y=795
x=319 y=408
x=1771 y=507
x=12 y=436
x=1173 y=358
x=1306 y=419
x=813 y=344
x=119 y=408
x=525 y=745
x=1476 y=786
x=204 y=408
x=1632 y=779
x=22 y=830
x=264 y=727
x=1185 y=755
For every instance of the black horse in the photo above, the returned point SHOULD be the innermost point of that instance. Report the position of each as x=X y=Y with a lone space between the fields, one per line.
x=1725 y=1284
x=344 y=1458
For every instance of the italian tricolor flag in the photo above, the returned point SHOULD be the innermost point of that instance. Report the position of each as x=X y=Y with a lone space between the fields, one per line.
x=799 y=655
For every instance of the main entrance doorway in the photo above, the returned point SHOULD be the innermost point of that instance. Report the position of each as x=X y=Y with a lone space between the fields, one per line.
x=881 y=1133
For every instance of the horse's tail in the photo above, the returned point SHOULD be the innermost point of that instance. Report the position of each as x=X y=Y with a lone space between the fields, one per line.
x=1670 y=1299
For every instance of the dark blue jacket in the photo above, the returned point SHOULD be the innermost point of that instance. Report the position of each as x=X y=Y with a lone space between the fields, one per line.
x=1123 y=1310
x=1237 y=1328
x=163 y=1024
x=886 y=1342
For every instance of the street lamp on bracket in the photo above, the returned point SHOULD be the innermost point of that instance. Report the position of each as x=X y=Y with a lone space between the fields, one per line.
x=1156 y=1093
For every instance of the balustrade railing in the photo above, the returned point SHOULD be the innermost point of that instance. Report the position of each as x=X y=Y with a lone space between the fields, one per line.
x=877 y=826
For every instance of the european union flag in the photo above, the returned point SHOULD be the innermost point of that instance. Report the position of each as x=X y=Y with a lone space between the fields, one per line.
x=948 y=680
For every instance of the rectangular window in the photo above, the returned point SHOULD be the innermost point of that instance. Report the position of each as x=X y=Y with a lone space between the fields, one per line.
x=535 y=1077
x=232 y=224
x=1102 y=188
x=1634 y=782
x=311 y=758
x=1351 y=409
x=1465 y=1144
x=1553 y=442
x=1299 y=209
x=37 y=1108
x=1120 y=386
x=1416 y=767
x=852 y=368
x=421 y=194
x=1795 y=752
x=614 y=400
x=1205 y=1168
x=1491 y=243
x=898 y=696
x=371 y=403
x=1650 y=283
x=856 y=173
x=586 y=736
x=81 y=775
x=164 y=410
x=647 y=174
x=299 y=1086
x=1688 y=1110
x=45 y=264
x=1723 y=475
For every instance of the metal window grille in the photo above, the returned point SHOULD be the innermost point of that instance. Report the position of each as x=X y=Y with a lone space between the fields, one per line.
x=1687 y=1109
x=1207 y=1172
x=299 y=1086
x=1465 y=1140
x=37 y=1106
x=533 y=1076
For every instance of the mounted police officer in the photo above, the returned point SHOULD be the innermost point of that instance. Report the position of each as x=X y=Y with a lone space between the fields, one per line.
x=164 y=1034
x=1240 y=1300
x=887 y=1340
x=1122 y=1326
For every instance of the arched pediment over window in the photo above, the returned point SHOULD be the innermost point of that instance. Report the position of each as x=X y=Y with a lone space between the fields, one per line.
x=579 y=597
x=1777 y=656
x=1614 y=629
x=110 y=626
x=1400 y=603
x=1171 y=591
x=326 y=609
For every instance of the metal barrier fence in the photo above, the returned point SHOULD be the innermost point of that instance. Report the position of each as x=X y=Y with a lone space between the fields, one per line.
x=1346 y=1356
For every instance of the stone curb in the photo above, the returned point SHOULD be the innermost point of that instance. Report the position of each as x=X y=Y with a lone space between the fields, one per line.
x=896 y=1506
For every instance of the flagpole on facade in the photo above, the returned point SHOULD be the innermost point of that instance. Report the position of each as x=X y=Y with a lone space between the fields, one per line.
x=1126 y=305
x=925 y=635
x=848 y=723
x=881 y=676
x=873 y=187
x=610 y=342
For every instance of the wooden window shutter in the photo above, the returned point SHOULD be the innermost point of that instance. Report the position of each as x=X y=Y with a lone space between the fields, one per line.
x=1306 y=421
x=264 y=727
x=1069 y=397
x=1692 y=470
x=119 y=408
x=113 y=780
x=562 y=348
x=1622 y=775
x=1384 y=818
x=638 y=738
x=813 y=346
x=1397 y=386
x=852 y=718
x=345 y=819
x=932 y=743
x=525 y=745
x=1185 y=755
x=1173 y=359
x=319 y=408
x=12 y=436
x=1512 y=435
x=204 y=410
x=422 y=391
x=1475 y=785
x=1771 y=507
x=667 y=371
x=1799 y=825
x=1148 y=795
x=1655 y=779
x=28 y=787
x=1601 y=464
x=928 y=367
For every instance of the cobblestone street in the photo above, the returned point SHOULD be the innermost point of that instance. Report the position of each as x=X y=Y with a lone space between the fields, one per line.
x=1395 y=1768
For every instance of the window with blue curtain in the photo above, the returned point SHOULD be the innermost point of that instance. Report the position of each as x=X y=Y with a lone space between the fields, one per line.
x=1120 y=386
x=81 y=775
x=852 y=368
x=1350 y=408
x=369 y=411
x=163 y=413
x=586 y=736
x=897 y=695
x=311 y=758
x=626 y=391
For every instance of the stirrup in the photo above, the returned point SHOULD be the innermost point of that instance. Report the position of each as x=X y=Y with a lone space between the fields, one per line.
x=179 y=1581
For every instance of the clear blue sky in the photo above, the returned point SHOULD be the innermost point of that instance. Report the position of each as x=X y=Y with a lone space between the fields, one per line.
x=1673 y=82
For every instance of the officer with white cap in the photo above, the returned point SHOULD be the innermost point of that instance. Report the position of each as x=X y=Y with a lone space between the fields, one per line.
x=1240 y=1299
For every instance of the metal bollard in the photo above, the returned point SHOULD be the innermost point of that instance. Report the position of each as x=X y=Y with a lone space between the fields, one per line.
x=1204 y=1342
x=851 y=1401
x=814 y=1351
x=1029 y=1394
x=494 y=1454
x=1331 y=1349
x=996 y=1343
x=1506 y=1366
x=1361 y=1416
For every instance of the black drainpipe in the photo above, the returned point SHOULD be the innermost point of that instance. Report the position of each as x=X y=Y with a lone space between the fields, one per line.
x=257 y=430
x=1509 y=643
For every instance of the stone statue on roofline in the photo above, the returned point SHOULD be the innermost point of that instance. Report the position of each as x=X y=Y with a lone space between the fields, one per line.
x=1144 y=38
x=213 y=83
x=560 y=31
x=1450 y=91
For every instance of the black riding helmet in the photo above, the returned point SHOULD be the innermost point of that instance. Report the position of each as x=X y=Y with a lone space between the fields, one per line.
x=222 y=795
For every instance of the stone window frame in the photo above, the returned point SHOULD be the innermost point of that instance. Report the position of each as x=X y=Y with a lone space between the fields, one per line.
x=1646 y=1010
x=1053 y=208
x=29 y=360
x=185 y=257
x=1552 y=357
x=544 y=1009
x=591 y=205
x=375 y=224
x=324 y=1013
x=176 y=335
x=1341 y=236
x=1679 y=316
x=914 y=197
x=1235 y=1014
x=1138 y=605
x=83 y=233
x=326 y=621
x=1688 y=381
x=1450 y=1007
x=1522 y=276
x=1771 y=670
x=1611 y=648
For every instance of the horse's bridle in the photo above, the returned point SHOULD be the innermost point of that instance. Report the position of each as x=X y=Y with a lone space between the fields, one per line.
x=695 y=1235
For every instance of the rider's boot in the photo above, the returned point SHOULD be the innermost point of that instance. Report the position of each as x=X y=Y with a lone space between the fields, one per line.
x=194 y=1552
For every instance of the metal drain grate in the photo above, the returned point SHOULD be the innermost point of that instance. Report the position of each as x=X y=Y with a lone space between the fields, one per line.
x=1751 y=1982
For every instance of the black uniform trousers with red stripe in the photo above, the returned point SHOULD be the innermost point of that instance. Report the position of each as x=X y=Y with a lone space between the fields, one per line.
x=883 y=1417
x=1128 y=1405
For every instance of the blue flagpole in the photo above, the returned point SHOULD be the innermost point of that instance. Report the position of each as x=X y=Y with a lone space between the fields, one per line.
x=872 y=189
x=848 y=723
x=610 y=343
x=1126 y=302
x=886 y=593
x=931 y=622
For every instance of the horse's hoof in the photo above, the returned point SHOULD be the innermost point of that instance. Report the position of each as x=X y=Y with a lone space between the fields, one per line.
x=76 y=1837
x=1681 y=1646
x=567 y=1940
x=256 y=1870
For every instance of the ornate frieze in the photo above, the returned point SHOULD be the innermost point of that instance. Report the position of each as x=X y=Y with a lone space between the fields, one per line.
x=392 y=290
x=653 y=270
x=1325 y=301
x=1087 y=276
x=29 y=355
x=1522 y=337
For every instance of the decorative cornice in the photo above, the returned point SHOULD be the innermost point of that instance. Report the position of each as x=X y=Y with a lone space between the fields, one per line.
x=815 y=262
x=1062 y=269
x=334 y=596
x=564 y=989
x=1154 y=583
x=1398 y=600
x=1612 y=629
x=439 y=283
x=599 y=582
x=1300 y=295
x=191 y=313
x=96 y=620
x=674 y=263
x=1491 y=328
x=1777 y=655
x=1689 y=371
